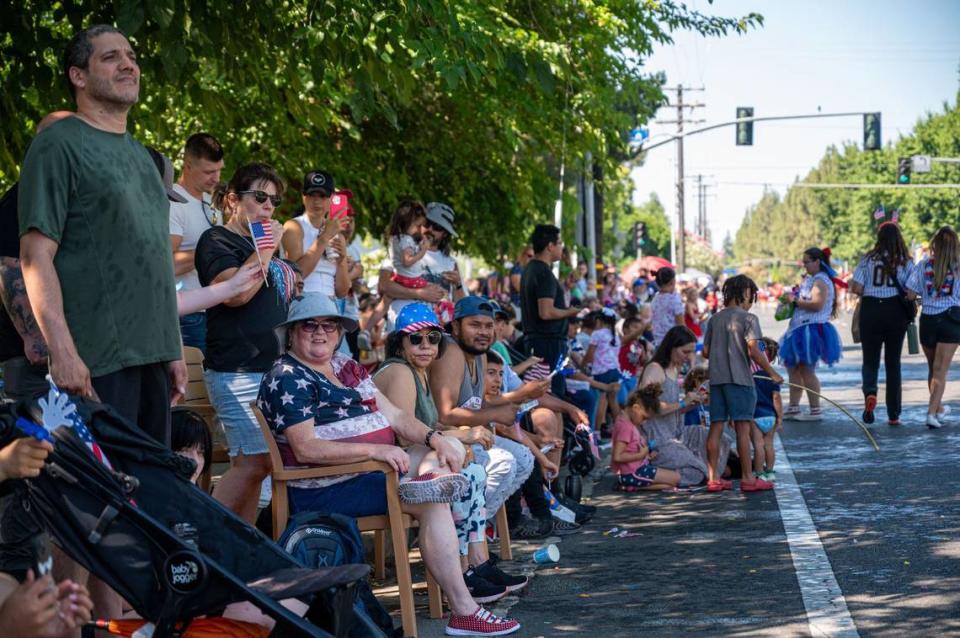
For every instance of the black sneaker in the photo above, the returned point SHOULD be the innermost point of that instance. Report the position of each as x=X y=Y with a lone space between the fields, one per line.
x=532 y=529
x=498 y=577
x=582 y=512
x=481 y=589
x=563 y=528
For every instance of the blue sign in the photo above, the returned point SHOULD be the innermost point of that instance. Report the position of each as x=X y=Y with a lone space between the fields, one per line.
x=639 y=135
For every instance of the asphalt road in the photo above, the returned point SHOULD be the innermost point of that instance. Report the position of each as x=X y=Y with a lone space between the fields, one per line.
x=884 y=532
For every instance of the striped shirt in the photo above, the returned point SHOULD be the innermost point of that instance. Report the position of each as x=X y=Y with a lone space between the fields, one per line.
x=801 y=316
x=935 y=301
x=872 y=275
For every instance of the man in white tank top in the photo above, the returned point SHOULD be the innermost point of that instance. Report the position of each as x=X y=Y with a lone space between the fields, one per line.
x=315 y=242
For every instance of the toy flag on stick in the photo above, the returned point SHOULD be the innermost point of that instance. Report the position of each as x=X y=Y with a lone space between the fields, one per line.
x=262 y=235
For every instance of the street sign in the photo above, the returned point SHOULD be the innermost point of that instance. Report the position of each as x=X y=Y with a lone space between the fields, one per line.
x=639 y=135
x=920 y=163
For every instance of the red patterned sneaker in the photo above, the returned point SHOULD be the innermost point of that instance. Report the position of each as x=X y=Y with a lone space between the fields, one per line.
x=481 y=623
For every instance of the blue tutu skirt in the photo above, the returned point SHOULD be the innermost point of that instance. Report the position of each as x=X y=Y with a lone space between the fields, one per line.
x=809 y=344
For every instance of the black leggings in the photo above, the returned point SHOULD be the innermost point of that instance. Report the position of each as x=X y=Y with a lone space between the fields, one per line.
x=883 y=325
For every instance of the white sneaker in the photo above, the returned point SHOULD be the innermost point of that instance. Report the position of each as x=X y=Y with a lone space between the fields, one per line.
x=944 y=411
x=812 y=415
x=792 y=413
x=933 y=423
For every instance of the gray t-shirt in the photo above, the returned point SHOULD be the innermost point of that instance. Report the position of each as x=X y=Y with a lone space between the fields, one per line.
x=727 y=335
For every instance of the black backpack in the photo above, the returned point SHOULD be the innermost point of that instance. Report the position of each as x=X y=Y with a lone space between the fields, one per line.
x=317 y=539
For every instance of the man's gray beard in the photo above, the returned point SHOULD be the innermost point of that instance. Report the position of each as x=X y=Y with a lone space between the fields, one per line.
x=100 y=91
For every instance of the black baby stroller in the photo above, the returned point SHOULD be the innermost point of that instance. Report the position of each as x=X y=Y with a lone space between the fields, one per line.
x=169 y=549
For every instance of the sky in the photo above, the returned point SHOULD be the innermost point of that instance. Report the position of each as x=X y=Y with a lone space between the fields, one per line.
x=899 y=58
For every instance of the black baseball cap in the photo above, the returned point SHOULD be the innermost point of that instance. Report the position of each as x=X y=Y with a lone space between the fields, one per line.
x=318 y=182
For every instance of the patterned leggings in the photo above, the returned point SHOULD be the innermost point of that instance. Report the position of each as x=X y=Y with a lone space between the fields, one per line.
x=508 y=464
x=470 y=512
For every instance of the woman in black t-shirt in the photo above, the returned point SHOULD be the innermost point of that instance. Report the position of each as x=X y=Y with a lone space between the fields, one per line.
x=241 y=345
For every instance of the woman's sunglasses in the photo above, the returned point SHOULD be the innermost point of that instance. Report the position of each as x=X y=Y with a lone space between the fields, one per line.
x=261 y=197
x=433 y=337
x=311 y=326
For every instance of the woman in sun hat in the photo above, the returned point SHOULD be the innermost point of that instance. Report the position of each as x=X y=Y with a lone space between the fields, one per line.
x=324 y=409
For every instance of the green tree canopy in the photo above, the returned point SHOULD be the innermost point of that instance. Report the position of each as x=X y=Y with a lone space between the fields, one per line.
x=474 y=102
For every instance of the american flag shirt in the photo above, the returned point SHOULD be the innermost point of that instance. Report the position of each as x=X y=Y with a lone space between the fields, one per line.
x=292 y=393
x=935 y=301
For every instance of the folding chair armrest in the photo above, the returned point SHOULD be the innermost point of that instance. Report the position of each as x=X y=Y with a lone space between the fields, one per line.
x=337 y=470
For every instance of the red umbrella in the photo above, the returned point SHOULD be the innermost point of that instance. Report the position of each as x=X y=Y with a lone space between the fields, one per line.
x=653 y=263
x=650 y=263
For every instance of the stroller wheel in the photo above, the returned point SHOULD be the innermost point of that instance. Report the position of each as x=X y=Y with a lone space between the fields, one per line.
x=573 y=487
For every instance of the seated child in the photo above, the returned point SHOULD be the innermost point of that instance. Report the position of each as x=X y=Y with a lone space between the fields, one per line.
x=631 y=450
x=190 y=437
x=767 y=416
x=698 y=380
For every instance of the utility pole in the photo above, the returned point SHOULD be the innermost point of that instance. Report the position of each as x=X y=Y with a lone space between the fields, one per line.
x=701 y=222
x=681 y=257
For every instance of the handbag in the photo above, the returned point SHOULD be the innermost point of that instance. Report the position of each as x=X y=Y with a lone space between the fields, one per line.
x=909 y=307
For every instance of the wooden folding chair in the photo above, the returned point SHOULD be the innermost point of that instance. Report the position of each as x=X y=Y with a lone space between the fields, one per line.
x=394 y=521
x=196 y=399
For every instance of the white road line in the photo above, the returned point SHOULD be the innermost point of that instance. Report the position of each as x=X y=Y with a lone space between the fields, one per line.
x=827 y=612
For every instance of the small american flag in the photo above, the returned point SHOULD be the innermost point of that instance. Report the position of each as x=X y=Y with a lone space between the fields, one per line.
x=262 y=235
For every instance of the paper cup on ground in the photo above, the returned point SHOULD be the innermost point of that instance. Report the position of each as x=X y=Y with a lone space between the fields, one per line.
x=546 y=554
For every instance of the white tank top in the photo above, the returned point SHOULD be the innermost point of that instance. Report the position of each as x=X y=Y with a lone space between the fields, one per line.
x=801 y=316
x=322 y=278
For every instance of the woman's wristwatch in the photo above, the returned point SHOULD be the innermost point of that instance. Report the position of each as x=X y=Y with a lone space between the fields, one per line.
x=430 y=435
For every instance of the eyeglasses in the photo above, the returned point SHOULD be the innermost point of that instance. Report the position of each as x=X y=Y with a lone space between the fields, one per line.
x=433 y=338
x=261 y=197
x=310 y=326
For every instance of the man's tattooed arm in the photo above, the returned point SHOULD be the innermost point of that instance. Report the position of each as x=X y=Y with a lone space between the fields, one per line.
x=13 y=293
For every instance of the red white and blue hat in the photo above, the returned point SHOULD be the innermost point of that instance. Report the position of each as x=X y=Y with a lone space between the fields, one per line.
x=415 y=317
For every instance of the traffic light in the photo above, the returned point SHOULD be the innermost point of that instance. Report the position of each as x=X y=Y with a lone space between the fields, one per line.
x=903 y=170
x=744 y=129
x=639 y=236
x=871 y=132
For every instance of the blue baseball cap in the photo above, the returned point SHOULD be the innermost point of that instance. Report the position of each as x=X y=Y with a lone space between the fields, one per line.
x=415 y=317
x=472 y=306
x=498 y=309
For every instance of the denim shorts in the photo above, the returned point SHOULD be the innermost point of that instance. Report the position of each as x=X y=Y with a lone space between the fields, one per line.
x=732 y=402
x=364 y=495
x=610 y=376
x=230 y=394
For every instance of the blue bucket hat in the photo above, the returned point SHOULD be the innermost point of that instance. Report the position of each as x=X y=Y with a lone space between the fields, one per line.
x=472 y=306
x=415 y=317
x=311 y=306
